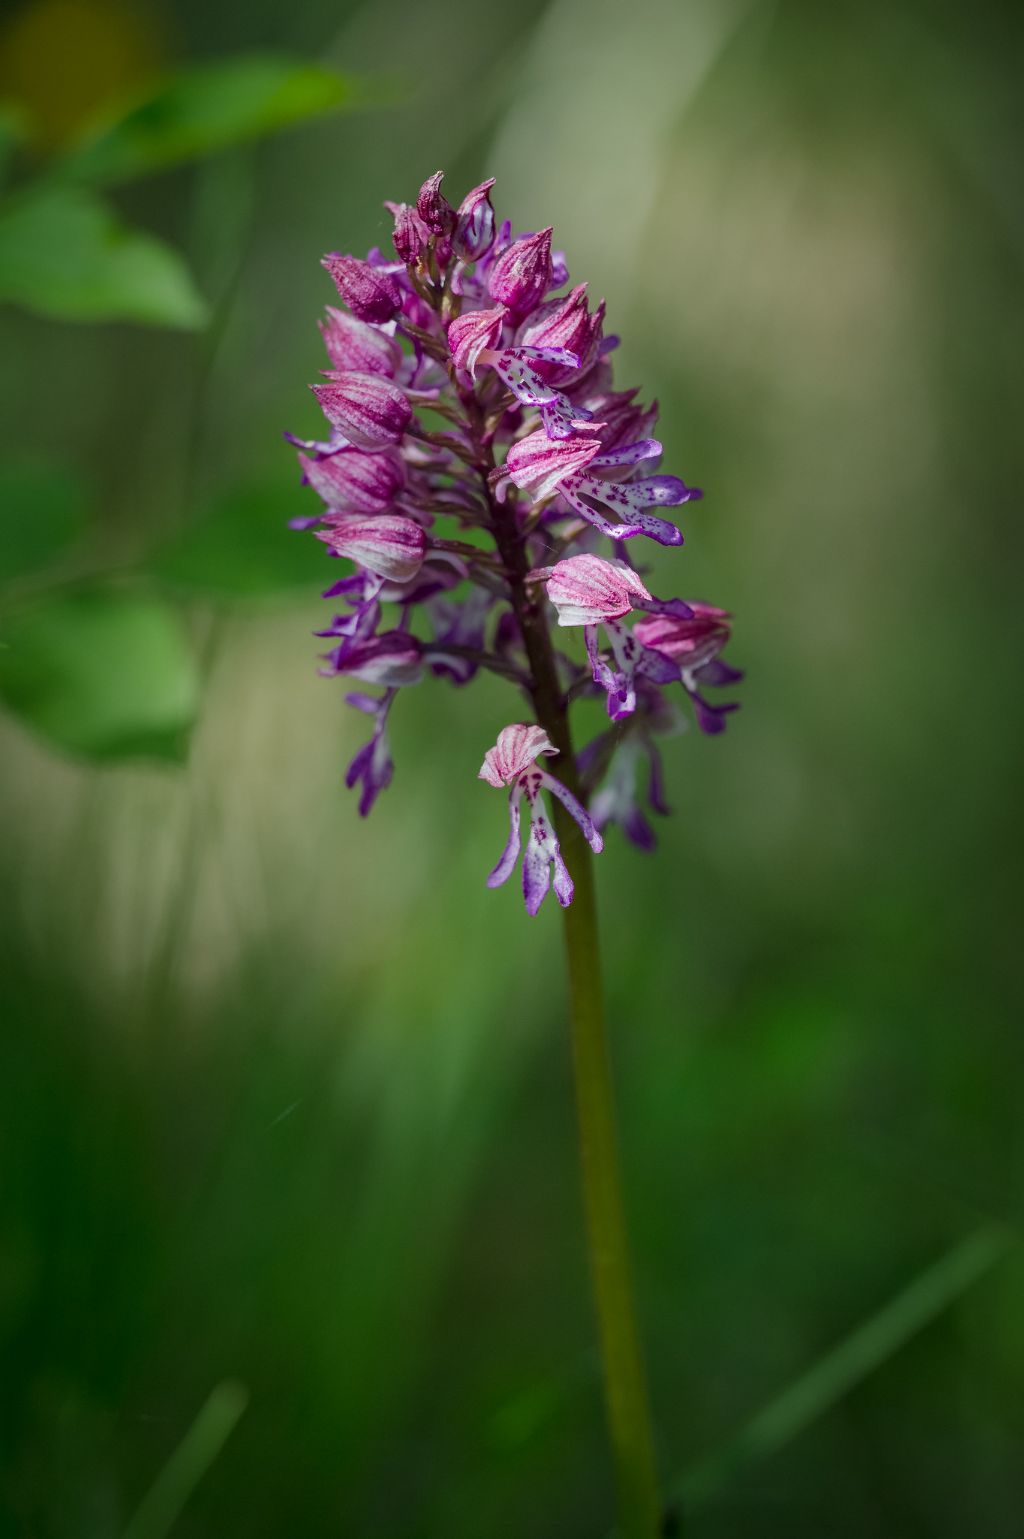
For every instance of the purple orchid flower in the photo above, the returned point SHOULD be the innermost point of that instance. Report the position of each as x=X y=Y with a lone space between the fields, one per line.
x=693 y=643
x=587 y=590
x=544 y=465
x=525 y=445
x=511 y=762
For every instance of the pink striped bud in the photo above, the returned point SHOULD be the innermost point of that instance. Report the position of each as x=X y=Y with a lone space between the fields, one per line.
x=433 y=207
x=370 y=411
x=370 y=294
x=521 y=276
x=385 y=544
x=355 y=482
x=352 y=344
x=410 y=234
x=474 y=228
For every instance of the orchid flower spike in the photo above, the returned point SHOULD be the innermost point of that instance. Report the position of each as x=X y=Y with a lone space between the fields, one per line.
x=463 y=378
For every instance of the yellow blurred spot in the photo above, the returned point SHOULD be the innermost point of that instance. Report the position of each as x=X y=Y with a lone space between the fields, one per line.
x=62 y=61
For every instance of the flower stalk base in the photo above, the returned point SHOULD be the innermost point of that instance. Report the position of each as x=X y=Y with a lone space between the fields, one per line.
x=629 y=1418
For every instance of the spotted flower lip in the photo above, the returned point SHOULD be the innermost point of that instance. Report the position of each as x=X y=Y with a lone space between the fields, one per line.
x=521 y=275
x=629 y=500
x=539 y=464
x=518 y=369
x=574 y=466
x=391 y=547
x=512 y=762
x=371 y=295
x=372 y=412
x=564 y=323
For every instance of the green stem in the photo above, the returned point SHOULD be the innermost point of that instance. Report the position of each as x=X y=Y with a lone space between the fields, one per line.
x=629 y=1417
x=625 y=1388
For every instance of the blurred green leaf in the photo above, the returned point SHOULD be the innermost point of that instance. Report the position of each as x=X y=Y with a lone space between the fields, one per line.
x=63 y=253
x=243 y=549
x=42 y=510
x=104 y=672
x=207 y=109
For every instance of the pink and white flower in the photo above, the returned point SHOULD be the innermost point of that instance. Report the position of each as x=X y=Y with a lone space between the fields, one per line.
x=587 y=590
x=512 y=762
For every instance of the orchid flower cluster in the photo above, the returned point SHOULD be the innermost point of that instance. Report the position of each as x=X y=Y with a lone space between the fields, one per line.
x=481 y=474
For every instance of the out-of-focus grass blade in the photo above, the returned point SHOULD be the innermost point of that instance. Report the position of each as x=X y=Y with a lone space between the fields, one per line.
x=842 y=1369
x=206 y=109
x=163 y=1503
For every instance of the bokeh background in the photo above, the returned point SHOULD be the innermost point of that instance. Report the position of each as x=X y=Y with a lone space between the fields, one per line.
x=285 y=1107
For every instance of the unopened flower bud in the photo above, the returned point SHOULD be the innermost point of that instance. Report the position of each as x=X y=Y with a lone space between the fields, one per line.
x=353 y=344
x=474 y=226
x=371 y=411
x=354 y=481
x=521 y=276
x=370 y=294
x=410 y=235
x=386 y=544
x=433 y=207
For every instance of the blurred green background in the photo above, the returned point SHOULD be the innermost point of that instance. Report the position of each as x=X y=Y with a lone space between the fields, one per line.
x=285 y=1108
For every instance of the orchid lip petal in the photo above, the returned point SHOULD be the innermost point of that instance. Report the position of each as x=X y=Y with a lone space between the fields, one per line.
x=630 y=454
x=510 y=854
